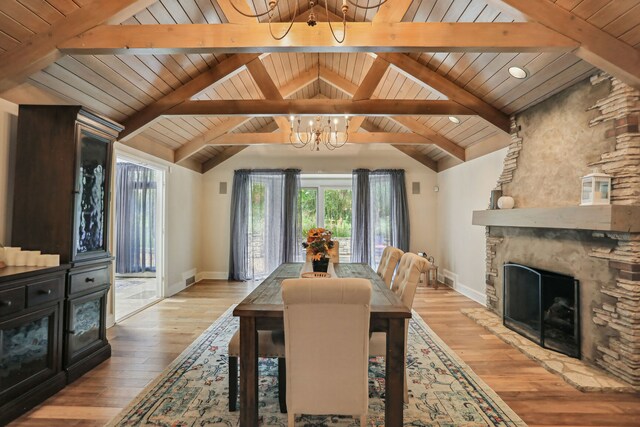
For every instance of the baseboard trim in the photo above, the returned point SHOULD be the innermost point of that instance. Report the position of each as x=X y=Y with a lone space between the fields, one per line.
x=212 y=275
x=478 y=297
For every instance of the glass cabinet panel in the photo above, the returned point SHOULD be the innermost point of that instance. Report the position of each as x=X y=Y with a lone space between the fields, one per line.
x=92 y=193
x=85 y=325
x=26 y=348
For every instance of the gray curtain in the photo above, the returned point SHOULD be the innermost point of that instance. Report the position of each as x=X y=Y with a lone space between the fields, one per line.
x=265 y=222
x=239 y=268
x=292 y=235
x=360 y=216
x=400 y=229
x=380 y=214
x=136 y=196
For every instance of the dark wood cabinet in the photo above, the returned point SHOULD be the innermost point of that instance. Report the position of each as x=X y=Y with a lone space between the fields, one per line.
x=31 y=307
x=62 y=181
x=61 y=206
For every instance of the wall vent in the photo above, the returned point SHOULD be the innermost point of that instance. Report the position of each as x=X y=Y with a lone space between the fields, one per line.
x=450 y=279
x=190 y=281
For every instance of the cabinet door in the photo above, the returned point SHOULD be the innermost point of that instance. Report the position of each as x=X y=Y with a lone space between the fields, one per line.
x=86 y=326
x=93 y=171
x=29 y=351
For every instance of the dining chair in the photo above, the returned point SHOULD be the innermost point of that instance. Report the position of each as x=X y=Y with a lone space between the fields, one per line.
x=388 y=263
x=326 y=328
x=270 y=345
x=406 y=282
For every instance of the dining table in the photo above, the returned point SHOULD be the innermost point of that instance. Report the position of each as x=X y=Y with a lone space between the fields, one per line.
x=263 y=309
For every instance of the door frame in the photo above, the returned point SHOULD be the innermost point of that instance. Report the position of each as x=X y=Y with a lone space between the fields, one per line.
x=161 y=235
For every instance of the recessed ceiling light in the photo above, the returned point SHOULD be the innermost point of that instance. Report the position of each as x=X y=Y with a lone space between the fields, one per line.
x=454 y=119
x=518 y=73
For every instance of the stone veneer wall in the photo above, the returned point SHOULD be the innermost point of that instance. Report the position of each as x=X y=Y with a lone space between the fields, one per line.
x=593 y=124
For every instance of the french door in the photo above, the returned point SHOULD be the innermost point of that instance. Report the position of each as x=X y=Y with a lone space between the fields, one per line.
x=327 y=203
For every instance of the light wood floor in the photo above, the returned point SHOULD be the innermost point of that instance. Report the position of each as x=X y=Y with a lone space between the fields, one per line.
x=146 y=343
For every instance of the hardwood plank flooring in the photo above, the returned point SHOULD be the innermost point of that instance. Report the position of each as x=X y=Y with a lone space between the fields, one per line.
x=146 y=343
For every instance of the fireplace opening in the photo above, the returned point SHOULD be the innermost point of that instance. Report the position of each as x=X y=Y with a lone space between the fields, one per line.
x=543 y=306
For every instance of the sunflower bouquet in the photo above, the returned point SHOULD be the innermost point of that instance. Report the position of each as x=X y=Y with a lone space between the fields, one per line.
x=318 y=243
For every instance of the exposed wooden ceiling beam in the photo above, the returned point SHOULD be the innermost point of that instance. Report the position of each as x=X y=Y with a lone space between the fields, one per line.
x=264 y=138
x=392 y=11
x=361 y=37
x=198 y=143
x=40 y=50
x=371 y=80
x=418 y=156
x=596 y=46
x=225 y=155
x=440 y=141
x=223 y=70
x=449 y=89
x=232 y=15
x=192 y=147
x=268 y=88
x=266 y=107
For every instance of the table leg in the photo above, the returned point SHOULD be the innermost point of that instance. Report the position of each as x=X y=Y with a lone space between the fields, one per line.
x=248 y=372
x=394 y=385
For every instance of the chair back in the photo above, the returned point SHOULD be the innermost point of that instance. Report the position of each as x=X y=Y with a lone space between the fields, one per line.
x=388 y=263
x=326 y=327
x=406 y=281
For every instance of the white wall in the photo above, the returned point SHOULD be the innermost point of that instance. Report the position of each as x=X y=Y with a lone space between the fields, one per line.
x=216 y=209
x=8 y=129
x=183 y=207
x=463 y=189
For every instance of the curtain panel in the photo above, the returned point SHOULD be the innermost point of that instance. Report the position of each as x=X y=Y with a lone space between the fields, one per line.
x=265 y=222
x=136 y=198
x=380 y=214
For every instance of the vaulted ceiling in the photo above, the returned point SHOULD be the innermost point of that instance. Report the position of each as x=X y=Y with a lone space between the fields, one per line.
x=195 y=82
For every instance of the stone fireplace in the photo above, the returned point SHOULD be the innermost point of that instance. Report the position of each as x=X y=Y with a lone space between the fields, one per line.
x=591 y=125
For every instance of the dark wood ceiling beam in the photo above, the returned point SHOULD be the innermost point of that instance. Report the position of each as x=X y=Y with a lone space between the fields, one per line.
x=40 y=50
x=264 y=108
x=361 y=37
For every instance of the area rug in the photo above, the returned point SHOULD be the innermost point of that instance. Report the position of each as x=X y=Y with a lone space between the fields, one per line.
x=193 y=390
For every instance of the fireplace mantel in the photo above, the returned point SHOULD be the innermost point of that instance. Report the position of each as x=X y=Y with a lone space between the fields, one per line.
x=617 y=218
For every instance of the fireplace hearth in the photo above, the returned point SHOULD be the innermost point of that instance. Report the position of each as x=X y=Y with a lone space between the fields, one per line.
x=543 y=306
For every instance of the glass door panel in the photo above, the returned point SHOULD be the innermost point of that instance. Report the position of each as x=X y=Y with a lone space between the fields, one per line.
x=27 y=349
x=91 y=220
x=337 y=218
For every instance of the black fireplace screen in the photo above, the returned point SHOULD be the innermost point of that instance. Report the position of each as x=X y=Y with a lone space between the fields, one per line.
x=543 y=306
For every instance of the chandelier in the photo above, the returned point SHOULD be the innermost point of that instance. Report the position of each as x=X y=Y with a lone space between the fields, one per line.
x=318 y=132
x=311 y=19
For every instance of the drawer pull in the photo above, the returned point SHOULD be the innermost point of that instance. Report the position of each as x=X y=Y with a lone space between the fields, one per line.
x=44 y=292
x=5 y=303
x=90 y=279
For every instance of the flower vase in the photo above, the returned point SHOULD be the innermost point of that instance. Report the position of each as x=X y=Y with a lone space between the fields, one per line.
x=321 y=265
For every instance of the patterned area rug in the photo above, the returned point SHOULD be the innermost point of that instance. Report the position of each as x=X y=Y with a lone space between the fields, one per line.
x=193 y=391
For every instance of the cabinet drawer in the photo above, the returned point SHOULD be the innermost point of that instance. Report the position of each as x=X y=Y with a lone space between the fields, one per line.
x=44 y=291
x=88 y=279
x=11 y=301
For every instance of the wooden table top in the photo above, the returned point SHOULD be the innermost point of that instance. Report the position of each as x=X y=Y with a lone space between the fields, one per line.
x=266 y=299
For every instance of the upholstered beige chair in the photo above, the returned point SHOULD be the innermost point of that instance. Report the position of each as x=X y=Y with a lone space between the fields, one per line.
x=326 y=327
x=388 y=263
x=405 y=284
x=270 y=344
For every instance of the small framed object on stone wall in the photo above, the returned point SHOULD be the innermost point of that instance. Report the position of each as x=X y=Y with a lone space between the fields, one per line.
x=596 y=189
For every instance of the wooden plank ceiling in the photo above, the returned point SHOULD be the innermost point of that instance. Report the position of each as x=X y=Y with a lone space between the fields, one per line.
x=139 y=90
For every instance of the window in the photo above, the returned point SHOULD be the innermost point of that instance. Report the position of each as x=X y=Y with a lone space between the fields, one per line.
x=325 y=201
